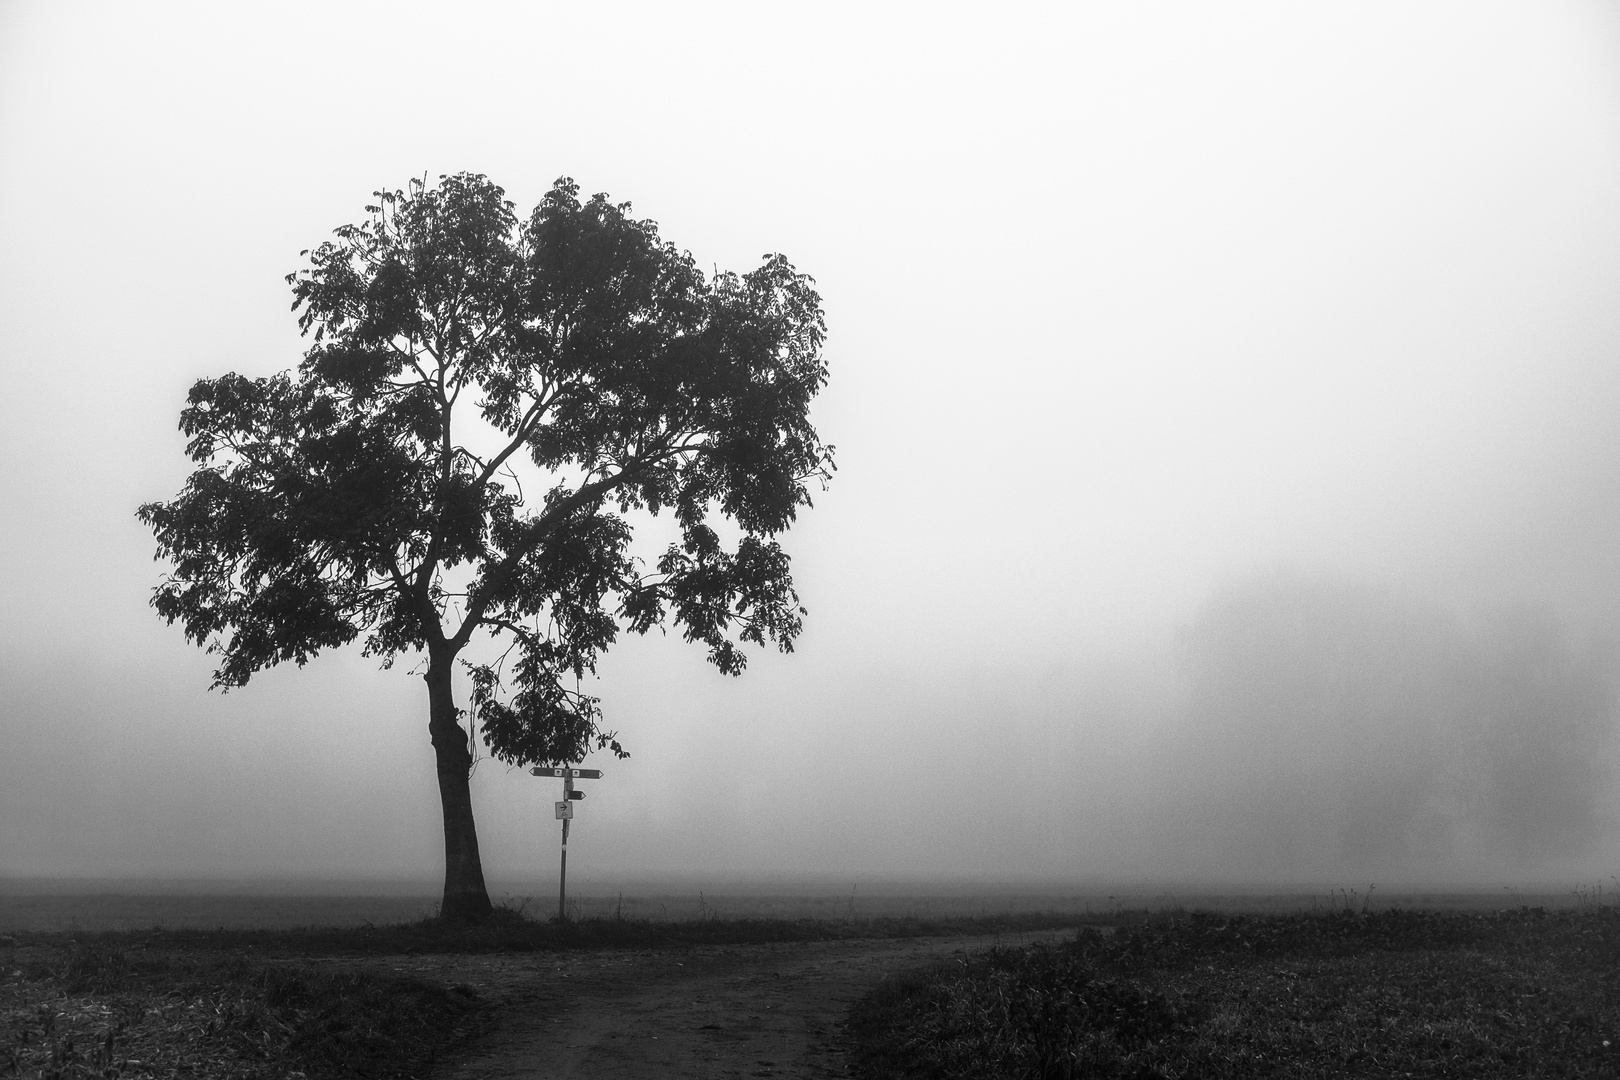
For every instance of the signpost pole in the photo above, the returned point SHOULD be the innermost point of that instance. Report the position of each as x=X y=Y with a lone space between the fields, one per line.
x=565 y=811
x=562 y=877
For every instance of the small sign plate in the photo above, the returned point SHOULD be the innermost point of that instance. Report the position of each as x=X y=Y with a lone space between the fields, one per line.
x=577 y=774
x=565 y=809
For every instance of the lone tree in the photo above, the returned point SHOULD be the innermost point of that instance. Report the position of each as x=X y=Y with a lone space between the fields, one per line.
x=378 y=493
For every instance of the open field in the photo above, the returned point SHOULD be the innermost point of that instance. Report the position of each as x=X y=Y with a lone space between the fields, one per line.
x=1522 y=993
x=114 y=1007
x=57 y=904
x=1429 y=994
x=1275 y=984
x=621 y=998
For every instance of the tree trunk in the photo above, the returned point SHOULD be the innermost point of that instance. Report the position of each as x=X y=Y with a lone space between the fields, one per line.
x=465 y=896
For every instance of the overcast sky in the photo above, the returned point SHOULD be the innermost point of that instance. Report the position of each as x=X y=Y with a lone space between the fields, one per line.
x=1225 y=397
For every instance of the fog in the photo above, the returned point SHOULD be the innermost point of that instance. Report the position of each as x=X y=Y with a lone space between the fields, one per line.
x=1225 y=402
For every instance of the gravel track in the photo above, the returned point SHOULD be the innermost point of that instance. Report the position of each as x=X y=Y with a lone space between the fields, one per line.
x=772 y=1010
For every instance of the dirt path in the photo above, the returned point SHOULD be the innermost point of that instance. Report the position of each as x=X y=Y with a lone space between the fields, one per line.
x=717 y=1011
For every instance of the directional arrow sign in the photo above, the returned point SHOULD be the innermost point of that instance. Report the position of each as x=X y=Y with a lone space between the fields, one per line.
x=578 y=774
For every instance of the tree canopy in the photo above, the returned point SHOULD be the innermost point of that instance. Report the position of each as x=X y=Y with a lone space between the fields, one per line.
x=459 y=355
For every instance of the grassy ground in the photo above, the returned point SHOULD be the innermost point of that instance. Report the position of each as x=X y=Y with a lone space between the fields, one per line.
x=511 y=932
x=55 y=904
x=92 y=1009
x=242 y=1003
x=1393 y=993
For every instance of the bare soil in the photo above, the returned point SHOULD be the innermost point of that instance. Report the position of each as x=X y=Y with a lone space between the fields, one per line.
x=771 y=1010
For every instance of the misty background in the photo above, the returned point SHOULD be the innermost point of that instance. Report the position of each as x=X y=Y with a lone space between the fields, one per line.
x=1225 y=399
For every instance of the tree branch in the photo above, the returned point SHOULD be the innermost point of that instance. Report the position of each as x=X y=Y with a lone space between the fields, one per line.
x=417 y=597
x=525 y=428
x=539 y=529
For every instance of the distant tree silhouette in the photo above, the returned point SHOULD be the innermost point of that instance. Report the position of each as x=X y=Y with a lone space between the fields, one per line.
x=376 y=492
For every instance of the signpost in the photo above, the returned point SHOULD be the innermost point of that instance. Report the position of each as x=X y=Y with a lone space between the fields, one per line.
x=565 y=814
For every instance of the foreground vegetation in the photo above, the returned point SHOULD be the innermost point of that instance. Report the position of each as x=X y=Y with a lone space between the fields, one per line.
x=1393 y=993
x=89 y=1009
x=250 y=1004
